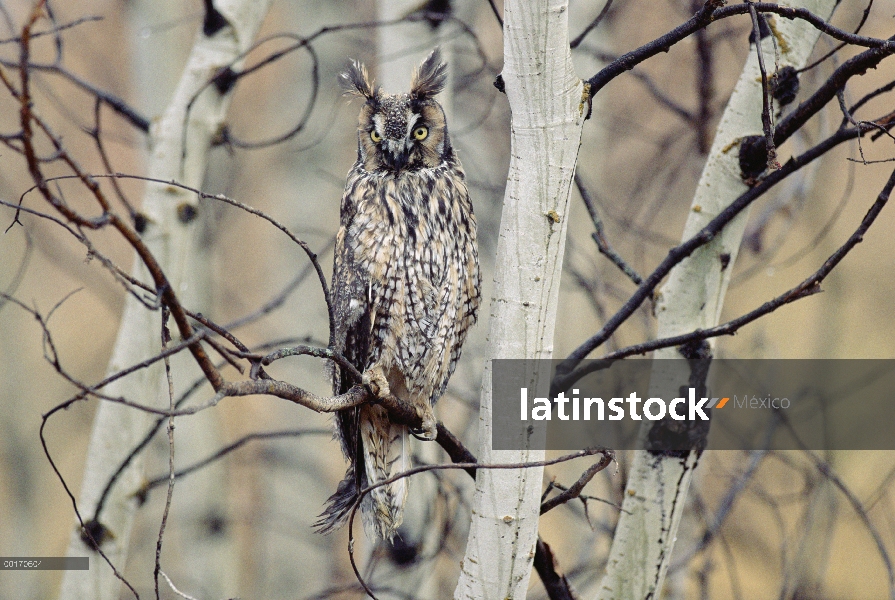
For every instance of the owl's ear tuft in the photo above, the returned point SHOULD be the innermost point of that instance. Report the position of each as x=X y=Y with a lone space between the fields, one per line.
x=430 y=77
x=356 y=82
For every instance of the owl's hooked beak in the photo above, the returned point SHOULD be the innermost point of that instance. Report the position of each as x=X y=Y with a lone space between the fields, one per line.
x=396 y=153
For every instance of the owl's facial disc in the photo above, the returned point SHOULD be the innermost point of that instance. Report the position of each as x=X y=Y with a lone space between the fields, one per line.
x=393 y=126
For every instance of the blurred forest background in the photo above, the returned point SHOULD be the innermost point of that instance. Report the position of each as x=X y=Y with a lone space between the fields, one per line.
x=781 y=530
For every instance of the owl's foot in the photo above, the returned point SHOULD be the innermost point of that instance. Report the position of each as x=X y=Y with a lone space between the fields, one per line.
x=374 y=379
x=429 y=429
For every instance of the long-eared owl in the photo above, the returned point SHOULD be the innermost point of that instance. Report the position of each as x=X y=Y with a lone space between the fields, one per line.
x=405 y=283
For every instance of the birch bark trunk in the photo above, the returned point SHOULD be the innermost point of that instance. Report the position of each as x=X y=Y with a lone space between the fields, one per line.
x=201 y=512
x=545 y=98
x=691 y=299
x=179 y=143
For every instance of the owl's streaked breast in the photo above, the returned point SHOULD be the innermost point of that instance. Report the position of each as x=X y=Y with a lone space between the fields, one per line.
x=414 y=237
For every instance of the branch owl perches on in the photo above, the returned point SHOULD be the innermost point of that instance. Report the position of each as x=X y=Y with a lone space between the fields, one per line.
x=406 y=284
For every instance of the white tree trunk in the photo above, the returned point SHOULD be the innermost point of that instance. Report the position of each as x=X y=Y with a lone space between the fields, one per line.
x=692 y=298
x=545 y=97
x=159 y=54
x=179 y=144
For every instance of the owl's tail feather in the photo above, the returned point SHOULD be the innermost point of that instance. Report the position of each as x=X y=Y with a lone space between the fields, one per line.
x=338 y=507
x=385 y=453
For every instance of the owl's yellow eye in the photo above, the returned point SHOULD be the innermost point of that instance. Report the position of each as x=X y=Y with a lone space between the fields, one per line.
x=374 y=135
x=420 y=133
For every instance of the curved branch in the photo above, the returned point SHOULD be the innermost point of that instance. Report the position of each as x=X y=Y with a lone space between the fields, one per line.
x=808 y=287
x=712 y=11
x=678 y=253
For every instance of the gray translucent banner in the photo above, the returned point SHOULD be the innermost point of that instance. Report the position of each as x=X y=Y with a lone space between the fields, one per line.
x=44 y=563
x=675 y=405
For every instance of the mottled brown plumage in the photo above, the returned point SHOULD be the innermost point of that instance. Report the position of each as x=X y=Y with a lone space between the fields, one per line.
x=405 y=283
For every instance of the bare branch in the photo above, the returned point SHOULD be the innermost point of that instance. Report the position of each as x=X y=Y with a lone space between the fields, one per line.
x=592 y=25
x=678 y=253
x=166 y=338
x=766 y=123
x=807 y=287
x=712 y=11
x=575 y=490
x=599 y=235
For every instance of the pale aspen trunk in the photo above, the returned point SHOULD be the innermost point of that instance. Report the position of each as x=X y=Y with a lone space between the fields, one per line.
x=545 y=97
x=200 y=516
x=179 y=143
x=691 y=299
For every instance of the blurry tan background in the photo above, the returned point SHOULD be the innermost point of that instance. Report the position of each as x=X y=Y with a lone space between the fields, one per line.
x=638 y=159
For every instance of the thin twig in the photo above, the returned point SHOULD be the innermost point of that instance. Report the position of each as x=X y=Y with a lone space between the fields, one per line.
x=227 y=134
x=827 y=471
x=303 y=350
x=575 y=490
x=278 y=300
x=166 y=339
x=174 y=588
x=705 y=87
x=841 y=45
x=114 y=102
x=54 y=31
x=496 y=12
x=96 y=134
x=766 y=123
x=86 y=532
x=20 y=272
x=651 y=86
x=214 y=457
x=593 y=25
x=599 y=236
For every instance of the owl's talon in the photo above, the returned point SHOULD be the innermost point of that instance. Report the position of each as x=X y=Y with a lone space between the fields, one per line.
x=429 y=429
x=427 y=433
x=374 y=379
